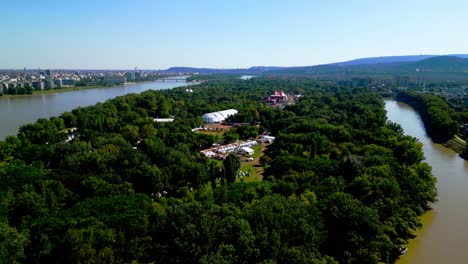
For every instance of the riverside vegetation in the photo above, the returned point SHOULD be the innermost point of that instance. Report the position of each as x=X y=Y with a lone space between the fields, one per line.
x=444 y=120
x=341 y=183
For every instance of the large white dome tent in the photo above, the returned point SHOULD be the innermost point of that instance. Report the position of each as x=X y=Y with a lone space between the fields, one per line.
x=220 y=116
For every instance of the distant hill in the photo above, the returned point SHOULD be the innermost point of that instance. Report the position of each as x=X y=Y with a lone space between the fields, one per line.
x=434 y=67
x=428 y=66
x=251 y=70
x=387 y=59
x=442 y=64
x=393 y=59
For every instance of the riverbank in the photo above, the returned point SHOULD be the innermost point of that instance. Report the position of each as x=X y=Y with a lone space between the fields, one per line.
x=456 y=144
x=77 y=88
x=443 y=233
x=16 y=111
x=438 y=122
x=67 y=89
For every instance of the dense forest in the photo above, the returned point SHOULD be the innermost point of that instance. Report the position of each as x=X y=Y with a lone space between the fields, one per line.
x=107 y=184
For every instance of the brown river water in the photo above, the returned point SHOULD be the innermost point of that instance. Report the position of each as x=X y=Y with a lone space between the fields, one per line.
x=444 y=236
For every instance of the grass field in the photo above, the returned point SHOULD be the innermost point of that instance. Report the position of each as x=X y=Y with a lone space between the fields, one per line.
x=254 y=167
x=212 y=133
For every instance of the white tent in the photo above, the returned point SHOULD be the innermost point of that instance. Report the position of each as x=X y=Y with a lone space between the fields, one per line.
x=246 y=151
x=217 y=117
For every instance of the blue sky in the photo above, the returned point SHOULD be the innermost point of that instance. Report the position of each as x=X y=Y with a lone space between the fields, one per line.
x=157 y=34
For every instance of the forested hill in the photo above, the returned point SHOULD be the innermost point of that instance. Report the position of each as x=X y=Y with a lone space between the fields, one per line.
x=433 y=68
x=341 y=184
x=251 y=70
x=370 y=66
x=393 y=59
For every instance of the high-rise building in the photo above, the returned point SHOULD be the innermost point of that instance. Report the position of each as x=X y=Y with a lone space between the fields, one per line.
x=115 y=80
x=49 y=84
x=4 y=87
x=59 y=82
x=130 y=76
x=68 y=82
x=38 y=85
x=48 y=73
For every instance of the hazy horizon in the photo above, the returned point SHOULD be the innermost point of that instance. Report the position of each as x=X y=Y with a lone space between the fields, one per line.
x=208 y=34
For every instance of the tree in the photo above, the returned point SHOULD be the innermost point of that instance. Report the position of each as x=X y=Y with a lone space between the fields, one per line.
x=230 y=137
x=231 y=166
x=12 y=244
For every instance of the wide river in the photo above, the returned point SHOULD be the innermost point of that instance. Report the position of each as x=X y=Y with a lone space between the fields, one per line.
x=444 y=235
x=18 y=110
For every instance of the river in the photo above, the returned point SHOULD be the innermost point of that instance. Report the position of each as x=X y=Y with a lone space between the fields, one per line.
x=444 y=234
x=18 y=110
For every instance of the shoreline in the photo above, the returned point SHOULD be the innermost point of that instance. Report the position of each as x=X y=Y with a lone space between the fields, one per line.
x=451 y=143
x=454 y=145
x=74 y=88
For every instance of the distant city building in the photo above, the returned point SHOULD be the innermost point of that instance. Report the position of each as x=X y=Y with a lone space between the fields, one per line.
x=59 y=82
x=68 y=82
x=4 y=86
x=48 y=73
x=115 y=79
x=361 y=82
x=49 y=84
x=130 y=76
x=38 y=85
x=27 y=84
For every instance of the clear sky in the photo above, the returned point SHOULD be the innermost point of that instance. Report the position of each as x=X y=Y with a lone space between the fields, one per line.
x=157 y=34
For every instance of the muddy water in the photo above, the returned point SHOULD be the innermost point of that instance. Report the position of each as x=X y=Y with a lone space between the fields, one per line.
x=444 y=236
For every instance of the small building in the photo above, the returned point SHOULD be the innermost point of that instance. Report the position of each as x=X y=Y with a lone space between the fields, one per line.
x=266 y=139
x=217 y=117
x=245 y=151
x=163 y=120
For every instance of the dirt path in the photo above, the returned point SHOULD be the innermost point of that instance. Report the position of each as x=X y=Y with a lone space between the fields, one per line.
x=258 y=168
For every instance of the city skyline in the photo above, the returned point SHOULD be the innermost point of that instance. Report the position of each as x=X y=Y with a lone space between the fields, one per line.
x=162 y=34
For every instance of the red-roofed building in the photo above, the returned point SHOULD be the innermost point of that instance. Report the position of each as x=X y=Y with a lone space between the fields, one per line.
x=277 y=97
